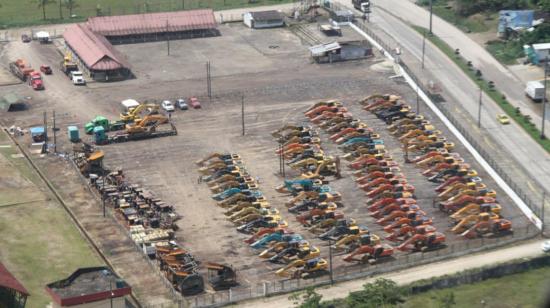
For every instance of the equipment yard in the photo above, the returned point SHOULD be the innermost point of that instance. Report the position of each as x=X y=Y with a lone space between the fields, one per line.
x=269 y=75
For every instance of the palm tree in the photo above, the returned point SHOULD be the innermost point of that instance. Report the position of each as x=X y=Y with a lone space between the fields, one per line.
x=71 y=5
x=42 y=4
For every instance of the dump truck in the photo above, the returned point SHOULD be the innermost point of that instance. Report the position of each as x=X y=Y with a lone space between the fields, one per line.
x=107 y=125
x=20 y=69
x=35 y=80
x=535 y=90
x=68 y=66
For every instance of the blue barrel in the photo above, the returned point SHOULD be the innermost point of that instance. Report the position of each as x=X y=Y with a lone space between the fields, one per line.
x=74 y=134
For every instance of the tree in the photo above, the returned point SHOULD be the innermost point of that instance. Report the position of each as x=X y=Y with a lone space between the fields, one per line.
x=42 y=5
x=70 y=5
x=307 y=299
x=381 y=293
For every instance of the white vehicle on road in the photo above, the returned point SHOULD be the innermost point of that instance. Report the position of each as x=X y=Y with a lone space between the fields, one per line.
x=168 y=106
x=546 y=246
x=77 y=78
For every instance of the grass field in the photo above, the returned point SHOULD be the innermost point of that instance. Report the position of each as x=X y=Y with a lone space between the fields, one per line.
x=519 y=290
x=40 y=244
x=27 y=12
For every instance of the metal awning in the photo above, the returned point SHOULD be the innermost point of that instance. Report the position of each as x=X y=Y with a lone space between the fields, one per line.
x=320 y=50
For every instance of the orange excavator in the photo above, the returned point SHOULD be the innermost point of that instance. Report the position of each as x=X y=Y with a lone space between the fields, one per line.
x=487 y=227
x=424 y=239
x=369 y=253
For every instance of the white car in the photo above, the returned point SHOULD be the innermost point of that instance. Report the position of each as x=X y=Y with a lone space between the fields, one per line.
x=168 y=106
x=546 y=246
x=77 y=78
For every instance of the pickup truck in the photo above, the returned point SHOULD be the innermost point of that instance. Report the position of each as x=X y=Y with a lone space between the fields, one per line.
x=77 y=78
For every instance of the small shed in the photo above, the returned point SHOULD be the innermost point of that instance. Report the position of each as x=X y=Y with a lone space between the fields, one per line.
x=12 y=102
x=542 y=50
x=343 y=51
x=38 y=134
x=264 y=19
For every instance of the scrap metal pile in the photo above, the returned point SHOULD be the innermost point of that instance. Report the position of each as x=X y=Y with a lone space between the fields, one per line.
x=461 y=192
x=237 y=192
x=151 y=224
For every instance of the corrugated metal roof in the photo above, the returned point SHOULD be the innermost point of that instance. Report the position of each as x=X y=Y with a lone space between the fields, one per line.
x=541 y=46
x=319 y=50
x=7 y=280
x=94 y=49
x=267 y=15
x=153 y=22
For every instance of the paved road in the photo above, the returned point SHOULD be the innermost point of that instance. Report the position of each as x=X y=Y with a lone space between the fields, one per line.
x=530 y=249
x=464 y=92
x=504 y=79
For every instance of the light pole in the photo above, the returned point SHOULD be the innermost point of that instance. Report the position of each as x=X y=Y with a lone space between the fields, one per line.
x=542 y=136
x=479 y=110
x=423 y=46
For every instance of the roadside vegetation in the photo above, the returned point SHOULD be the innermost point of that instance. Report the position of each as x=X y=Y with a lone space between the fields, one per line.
x=527 y=289
x=482 y=16
x=18 y=13
x=488 y=87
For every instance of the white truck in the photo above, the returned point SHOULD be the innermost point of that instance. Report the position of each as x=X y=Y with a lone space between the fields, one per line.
x=535 y=90
x=77 y=78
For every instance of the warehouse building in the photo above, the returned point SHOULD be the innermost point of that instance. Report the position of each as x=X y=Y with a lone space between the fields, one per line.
x=264 y=19
x=95 y=55
x=90 y=43
x=141 y=28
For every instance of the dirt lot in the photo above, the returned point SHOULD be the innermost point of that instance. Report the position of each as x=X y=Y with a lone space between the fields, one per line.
x=278 y=84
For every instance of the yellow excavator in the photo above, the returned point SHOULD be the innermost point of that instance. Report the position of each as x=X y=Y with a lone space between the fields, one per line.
x=134 y=114
x=303 y=269
x=147 y=123
x=470 y=220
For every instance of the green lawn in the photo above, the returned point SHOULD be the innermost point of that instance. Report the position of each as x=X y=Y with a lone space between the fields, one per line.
x=506 y=52
x=510 y=110
x=27 y=12
x=39 y=242
x=519 y=290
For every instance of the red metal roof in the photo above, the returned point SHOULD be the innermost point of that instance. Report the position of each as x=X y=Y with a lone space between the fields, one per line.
x=7 y=280
x=94 y=49
x=153 y=22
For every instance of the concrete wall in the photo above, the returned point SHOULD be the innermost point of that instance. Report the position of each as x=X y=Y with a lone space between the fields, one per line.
x=118 y=302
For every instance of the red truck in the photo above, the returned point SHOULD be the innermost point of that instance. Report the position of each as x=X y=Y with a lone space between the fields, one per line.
x=35 y=81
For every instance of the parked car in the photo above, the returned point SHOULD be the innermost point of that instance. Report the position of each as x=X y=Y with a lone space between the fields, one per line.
x=546 y=246
x=194 y=102
x=46 y=69
x=503 y=119
x=25 y=38
x=182 y=104
x=167 y=105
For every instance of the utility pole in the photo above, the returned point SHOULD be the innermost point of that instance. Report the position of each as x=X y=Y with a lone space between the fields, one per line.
x=479 y=110
x=542 y=136
x=208 y=80
x=330 y=260
x=542 y=212
x=45 y=131
x=54 y=134
x=431 y=13
x=167 y=38
x=242 y=111
x=417 y=99
x=423 y=46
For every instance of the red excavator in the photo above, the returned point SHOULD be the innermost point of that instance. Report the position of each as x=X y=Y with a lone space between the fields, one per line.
x=369 y=253
x=487 y=227
x=425 y=239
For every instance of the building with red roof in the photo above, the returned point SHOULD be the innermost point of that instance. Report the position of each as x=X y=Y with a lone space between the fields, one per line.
x=12 y=292
x=90 y=43
x=89 y=287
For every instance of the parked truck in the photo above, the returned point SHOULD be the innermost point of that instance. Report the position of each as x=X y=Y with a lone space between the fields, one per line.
x=105 y=123
x=35 y=80
x=361 y=5
x=535 y=90
x=68 y=66
x=20 y=69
